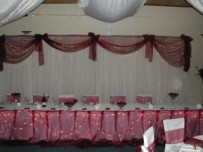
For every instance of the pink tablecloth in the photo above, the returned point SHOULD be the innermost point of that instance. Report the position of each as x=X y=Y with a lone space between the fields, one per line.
x=94 y=126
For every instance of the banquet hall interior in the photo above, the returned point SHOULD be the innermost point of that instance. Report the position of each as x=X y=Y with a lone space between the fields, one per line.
x=94 y=75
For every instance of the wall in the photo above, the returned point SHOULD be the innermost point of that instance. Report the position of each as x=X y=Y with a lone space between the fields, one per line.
x=165 y=21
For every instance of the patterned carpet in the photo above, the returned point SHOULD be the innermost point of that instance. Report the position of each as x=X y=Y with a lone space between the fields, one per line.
x=37 y=148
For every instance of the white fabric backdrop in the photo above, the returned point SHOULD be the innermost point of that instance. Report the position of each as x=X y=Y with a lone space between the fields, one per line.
x=74 y=73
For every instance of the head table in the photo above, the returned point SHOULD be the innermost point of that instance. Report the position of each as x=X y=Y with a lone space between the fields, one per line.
x=103 y=123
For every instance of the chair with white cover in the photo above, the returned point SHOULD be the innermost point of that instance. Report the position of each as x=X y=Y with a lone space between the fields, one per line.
x=38 y=97
x=117 y=98
x=66 y=98
x=149 y=141
x=91 y=99
x=174 y=133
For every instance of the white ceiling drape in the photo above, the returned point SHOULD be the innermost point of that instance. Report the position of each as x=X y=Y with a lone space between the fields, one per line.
x=111 y=10
x=197 y=4
x=11 y=10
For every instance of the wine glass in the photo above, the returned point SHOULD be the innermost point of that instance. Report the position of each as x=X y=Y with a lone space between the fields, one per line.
x=113 y=101
x=27 y=100
x=121 y=105
x=84 y=102
x=173 y=96
x=70 y=104
x=54 y=100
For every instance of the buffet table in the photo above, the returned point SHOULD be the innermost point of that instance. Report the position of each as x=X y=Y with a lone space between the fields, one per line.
x=95 y=124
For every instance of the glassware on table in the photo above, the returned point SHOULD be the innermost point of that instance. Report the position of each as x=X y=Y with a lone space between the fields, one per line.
x=70 y=104
x=55 y=100
x=121 y=105
x=173 y=96
x=113 y=102
x=27 y=100
x=84 y=102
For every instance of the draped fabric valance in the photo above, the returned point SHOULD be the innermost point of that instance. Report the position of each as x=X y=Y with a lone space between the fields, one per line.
x=176 y=51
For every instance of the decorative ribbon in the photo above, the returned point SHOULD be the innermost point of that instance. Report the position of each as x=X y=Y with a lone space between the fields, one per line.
x=93 y=46
x=199 y=122
x=149 y=46
x=174 y=136
x=151 y=147
x=187 y=53
x=39 y=46
x=195 y=141
x=47 y=125
x=33 y=123
x=2 y=51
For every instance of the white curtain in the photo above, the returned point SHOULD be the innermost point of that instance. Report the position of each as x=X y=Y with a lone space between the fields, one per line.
x=11 y=10
x=74 y=73
x=197 y=4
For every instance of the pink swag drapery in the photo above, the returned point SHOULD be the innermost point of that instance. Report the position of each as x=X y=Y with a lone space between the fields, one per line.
x=176 y=51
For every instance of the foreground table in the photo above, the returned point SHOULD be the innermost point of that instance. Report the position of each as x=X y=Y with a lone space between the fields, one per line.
x=96 y=126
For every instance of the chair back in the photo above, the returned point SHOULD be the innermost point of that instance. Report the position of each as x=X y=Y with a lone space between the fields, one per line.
x=11 y=98
x=91 y=99
x=66 y=98
x=149 y=140
x=38 y=97
x=117 y=98
x=144 y=98
x=174 y=133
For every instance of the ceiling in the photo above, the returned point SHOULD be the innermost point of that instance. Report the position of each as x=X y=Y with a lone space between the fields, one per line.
x=175 y=3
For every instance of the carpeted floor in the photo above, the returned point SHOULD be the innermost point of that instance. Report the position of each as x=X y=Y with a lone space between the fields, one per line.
x=37 y=148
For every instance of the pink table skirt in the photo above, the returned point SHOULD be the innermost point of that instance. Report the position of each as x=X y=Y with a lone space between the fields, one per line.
x=94 y=126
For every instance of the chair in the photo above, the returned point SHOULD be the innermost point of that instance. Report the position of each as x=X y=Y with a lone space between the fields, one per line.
x=149 y=142
x=66 y=98
x=91 y=99
x=117 y=98
x=144 y=98
x=38 y=98
x=174 y=133
x=10 y=97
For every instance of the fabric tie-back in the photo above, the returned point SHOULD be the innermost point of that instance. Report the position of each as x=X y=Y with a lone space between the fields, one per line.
x=174 y=136
x=151 y=147
x=194 y=141
x=176 y=51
